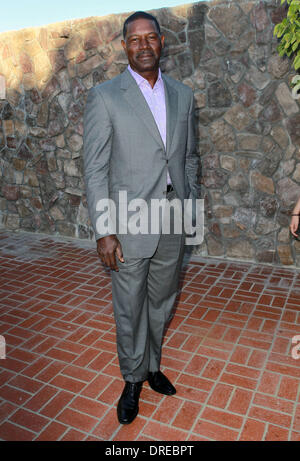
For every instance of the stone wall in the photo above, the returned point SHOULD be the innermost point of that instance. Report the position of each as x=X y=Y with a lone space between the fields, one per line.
x=248 y=122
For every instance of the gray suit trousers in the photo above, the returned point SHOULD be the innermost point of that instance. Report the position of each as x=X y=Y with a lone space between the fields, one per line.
x=144 y=292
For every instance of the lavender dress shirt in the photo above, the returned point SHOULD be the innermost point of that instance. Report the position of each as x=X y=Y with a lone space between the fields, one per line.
x=156 y=101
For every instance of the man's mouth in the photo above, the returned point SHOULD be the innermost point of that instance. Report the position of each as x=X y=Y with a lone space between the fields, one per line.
x=145 y=55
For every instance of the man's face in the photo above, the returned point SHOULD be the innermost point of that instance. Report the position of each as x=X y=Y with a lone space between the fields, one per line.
x=143 y=45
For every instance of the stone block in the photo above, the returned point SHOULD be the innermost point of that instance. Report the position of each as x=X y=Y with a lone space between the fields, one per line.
x=59 y=179
x=244 y=218
x=9 y=127
x=2 y=87
x=57 y=60
x=10 y=192
x=56 y=213
x=288 y=192
x=286 y=100
x=288 y=167
x=31 y=178
x=75 y=143
x=279 y=134
x=238 y=182
x=66 y=228
x=223 y=213
x=278 y=66
x=228 y=163
x=222 y=136
x=219 y=95
x=200 y=100
x=261 y=182
x=284 y=236
x=25 y=191
x=42 y=69
x=89 y=65
x=271 y=113
x=210 y=161
x=214 y=246
x=240 y=249
x=268 y=206
x=265 y=226
x=259 y=17
x=247 y=94
x=70 y=168
x=18 y=164
x=60 y=141
x=259 y=79
x=292 y=125
x=229 y=20
x=91 y=39
x=285 y=255
x=230 y=231
x=42 y=116
x=214 y=179
x=52 y=88
x=238 y=117
x=12 y=222
x=248 y=141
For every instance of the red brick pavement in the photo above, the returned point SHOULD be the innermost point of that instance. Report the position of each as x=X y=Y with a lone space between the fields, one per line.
x=227 y=350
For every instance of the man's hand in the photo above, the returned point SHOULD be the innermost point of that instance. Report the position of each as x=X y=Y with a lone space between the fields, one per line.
x=294 y=225
x=107 y=248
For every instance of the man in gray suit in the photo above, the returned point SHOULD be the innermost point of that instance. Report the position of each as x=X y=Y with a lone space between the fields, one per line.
x=139 y=139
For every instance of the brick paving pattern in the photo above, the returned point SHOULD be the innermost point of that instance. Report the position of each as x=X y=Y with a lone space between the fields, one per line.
x=227 y=350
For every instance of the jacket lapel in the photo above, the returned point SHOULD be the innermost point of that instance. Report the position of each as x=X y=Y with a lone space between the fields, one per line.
x=139 y=105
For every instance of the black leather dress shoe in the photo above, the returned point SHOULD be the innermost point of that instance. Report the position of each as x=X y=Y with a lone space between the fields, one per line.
x=128 y=406
x=160 y=383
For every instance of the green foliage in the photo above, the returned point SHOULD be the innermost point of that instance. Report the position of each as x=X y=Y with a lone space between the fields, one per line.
x=289 y=32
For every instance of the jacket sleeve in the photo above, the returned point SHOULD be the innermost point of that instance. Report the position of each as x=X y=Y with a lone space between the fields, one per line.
x=97 y=141
x=192 y=158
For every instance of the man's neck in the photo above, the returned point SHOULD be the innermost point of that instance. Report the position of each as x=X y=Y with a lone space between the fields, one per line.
x=151 y=76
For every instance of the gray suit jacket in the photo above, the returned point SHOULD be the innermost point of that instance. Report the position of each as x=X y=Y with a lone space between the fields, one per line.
x=123 y=150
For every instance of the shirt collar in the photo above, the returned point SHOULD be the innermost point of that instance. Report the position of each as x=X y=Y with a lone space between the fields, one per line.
x=141 y=80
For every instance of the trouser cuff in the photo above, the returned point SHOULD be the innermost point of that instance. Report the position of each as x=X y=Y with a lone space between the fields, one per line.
x=134 y=379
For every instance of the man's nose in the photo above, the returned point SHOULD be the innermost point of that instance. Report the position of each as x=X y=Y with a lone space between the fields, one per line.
x=144 y=43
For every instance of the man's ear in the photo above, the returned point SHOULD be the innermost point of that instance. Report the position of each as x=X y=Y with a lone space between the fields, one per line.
x=124 y=46
x=162 y=39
